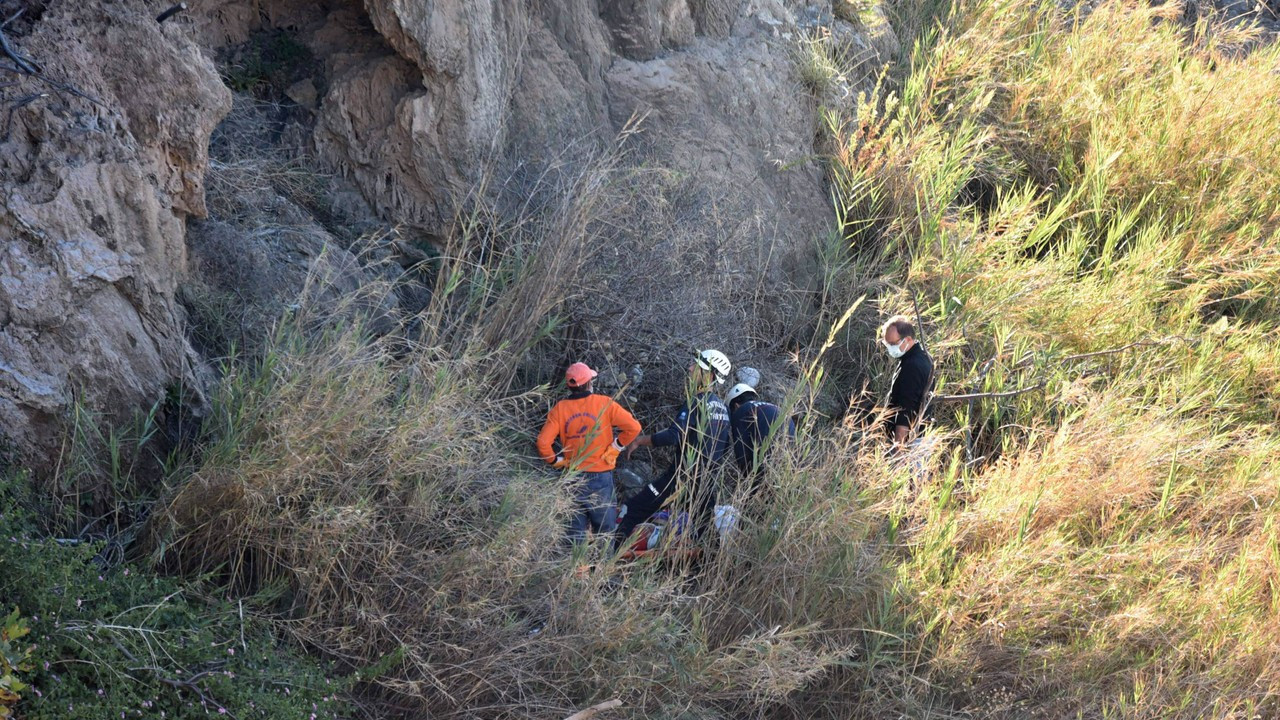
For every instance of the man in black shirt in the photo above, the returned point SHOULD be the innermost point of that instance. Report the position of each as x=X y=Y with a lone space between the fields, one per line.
x=912 y=381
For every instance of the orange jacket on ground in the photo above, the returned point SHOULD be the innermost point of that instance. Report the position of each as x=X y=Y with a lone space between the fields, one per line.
x=584 y=423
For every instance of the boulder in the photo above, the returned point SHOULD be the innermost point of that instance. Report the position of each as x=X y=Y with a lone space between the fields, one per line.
x=422 y=101
x=463 y=85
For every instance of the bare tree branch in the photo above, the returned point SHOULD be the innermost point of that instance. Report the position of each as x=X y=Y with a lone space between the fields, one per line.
x=25 y=64
x=1113 y=351
x=980 y=396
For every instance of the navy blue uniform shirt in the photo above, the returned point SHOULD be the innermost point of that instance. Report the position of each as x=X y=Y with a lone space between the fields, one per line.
x=751 y=424
x=701 y=431
x=911 y=383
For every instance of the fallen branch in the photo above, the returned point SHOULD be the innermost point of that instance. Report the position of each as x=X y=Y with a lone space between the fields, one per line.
x=23 y=65
x=1040 y=385
x=192 y=684
x=1112 y=351
x=982 y=396
x=591 y=711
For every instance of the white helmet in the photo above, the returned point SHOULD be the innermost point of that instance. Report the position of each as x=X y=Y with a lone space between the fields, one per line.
x=737 y=390
x=717 y=362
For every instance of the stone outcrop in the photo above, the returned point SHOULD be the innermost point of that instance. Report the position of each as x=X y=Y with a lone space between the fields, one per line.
x=261 y=252
x=100 y=166
x=422 y=99
x=412 y=104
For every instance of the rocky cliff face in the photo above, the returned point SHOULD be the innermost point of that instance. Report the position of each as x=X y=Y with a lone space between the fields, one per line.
x=421 y=98
x=412 y=104
x=101 y=162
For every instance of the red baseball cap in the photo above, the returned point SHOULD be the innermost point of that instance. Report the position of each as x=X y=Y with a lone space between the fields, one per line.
x=578 y=375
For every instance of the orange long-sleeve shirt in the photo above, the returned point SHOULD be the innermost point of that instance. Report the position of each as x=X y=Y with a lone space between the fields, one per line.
x=585 y=425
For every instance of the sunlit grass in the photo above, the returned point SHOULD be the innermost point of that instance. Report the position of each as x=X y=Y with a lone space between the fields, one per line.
x=1083 y=207
x=1110 y=551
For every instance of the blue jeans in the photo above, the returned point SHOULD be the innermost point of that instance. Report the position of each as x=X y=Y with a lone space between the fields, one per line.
x=595 y=506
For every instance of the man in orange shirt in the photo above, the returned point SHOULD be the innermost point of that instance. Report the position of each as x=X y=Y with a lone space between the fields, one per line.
x=584 y=423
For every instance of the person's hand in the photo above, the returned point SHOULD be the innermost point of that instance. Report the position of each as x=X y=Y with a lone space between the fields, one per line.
x=900 y=433
x=630 y=448
x=610 y=454
x=560 y=463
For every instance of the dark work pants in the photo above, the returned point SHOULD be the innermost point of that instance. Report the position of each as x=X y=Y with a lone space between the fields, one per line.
x=646 y=502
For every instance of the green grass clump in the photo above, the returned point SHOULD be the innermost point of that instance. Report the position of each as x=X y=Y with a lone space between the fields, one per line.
x=268 y=63
x=120 y=641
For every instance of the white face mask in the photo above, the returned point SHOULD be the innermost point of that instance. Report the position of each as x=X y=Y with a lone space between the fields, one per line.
x=895 y=351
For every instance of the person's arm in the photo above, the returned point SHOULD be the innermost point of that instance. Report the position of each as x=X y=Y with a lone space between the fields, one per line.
x=550 y=431
x=628 y=426
x=640 y=441
x=738 y=439
x=665 y=438
x=674 y=434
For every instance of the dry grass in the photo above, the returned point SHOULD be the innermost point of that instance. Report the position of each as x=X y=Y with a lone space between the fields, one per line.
x=1095 y=549
x=1049 y=187
x=378 y=477
x=376 y=481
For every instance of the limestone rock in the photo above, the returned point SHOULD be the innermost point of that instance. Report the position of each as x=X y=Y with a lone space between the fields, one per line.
x=881 y=35
x=94 y=195
x=441 y=94
x=417 y=121
x=678 y=26
x=732 y=114
x=864 y=32
x=642 y=29
x=715 y=18
x=304 y=93
x=636 y=26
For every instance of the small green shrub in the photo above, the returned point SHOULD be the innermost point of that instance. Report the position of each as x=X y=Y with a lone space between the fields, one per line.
x=268 y=63
x=15 y=658
x=117 y=642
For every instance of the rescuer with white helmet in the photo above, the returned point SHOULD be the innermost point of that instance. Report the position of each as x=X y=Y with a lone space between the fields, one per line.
x=700 y=434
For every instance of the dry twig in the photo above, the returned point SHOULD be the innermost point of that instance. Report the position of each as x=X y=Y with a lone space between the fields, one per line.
x=591 y=711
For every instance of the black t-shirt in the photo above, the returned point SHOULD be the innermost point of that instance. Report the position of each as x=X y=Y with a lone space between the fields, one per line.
x=912 y=381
